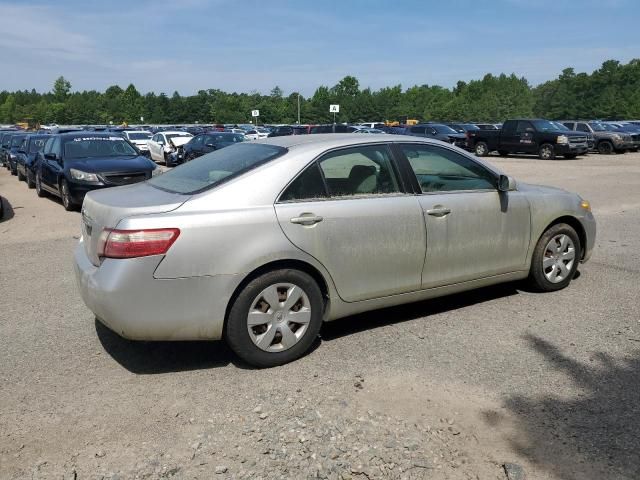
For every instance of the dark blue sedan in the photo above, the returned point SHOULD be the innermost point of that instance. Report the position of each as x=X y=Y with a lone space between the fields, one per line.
x=71 y=164
x=27 y=154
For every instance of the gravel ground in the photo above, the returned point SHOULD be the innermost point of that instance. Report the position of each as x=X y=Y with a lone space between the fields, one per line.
x=450 y=388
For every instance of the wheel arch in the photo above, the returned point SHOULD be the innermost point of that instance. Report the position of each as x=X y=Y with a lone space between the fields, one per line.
x=294 y=264
x=574 y=223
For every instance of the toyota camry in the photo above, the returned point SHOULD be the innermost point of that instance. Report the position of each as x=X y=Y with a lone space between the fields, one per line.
x=261 y=242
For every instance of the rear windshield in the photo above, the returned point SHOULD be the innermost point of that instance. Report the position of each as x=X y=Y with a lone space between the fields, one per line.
x=444 y=129
x=216 y=167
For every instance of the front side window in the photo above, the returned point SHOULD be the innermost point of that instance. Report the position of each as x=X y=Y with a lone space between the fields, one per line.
x=216 y=167
x=364 y=170
x=16 y=141
x=525 y=126
x=582 y=127
x=442 y=170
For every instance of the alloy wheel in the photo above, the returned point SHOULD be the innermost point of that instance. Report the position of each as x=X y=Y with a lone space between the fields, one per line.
x=279 y=317
x=559 y=257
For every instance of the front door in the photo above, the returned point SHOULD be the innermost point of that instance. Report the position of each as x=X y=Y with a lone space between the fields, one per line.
x=349 y=211
x=473 y=230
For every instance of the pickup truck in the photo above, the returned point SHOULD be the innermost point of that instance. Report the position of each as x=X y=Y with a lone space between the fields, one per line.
x=542 y=137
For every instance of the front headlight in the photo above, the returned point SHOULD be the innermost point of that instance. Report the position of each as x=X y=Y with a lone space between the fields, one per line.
x=83 y=176
x=562 y=139
x=156 y=171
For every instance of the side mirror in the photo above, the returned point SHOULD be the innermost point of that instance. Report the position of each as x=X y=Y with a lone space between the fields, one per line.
x=529 y=129
x=506 y=183
x=50 y=156
x=211 y=145
x=22 y=152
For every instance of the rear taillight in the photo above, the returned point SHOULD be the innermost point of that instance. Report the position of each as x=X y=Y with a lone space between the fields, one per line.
x=136 y=243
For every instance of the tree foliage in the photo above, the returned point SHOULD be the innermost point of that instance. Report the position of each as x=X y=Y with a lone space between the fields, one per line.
x=612 y=91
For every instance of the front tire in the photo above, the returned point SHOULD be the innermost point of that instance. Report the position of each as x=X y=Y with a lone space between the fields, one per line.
x=21 y=177
x=39 y=191
x=605 y=148
x=276 y=318
x=555 y=258
x=67 y=202
x=30 y=182
x=547 y=152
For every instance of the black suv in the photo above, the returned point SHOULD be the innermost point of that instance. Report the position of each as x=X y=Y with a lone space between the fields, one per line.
x=439 y=132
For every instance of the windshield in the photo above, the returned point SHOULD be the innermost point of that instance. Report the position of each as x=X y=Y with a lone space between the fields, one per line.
x=16 y=140
x=609 y=128
x=139 y=136
x=597 y=127
x=37 y=144
x=89 y=147
x=444 y=129
x=216 y=167
x=225 y=138
x=546 y=126
x=560 y=126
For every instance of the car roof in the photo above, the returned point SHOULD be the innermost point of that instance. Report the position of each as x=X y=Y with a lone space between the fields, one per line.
x=336 y=140
x=178 y=132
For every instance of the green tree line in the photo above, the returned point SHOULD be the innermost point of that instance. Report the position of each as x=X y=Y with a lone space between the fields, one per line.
x=612 y=91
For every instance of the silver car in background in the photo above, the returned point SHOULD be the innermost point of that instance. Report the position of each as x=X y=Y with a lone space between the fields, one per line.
x=261 y=242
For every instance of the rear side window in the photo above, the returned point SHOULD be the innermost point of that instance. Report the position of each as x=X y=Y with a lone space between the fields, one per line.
x=217 y=167
x=365 y=170
x=308 y=186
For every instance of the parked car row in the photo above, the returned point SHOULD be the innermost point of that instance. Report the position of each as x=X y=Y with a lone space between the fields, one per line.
x=68 y=165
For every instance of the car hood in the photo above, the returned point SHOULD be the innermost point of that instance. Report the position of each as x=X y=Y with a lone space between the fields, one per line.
x=111 y=164
x=541 y=189
x=178 y=141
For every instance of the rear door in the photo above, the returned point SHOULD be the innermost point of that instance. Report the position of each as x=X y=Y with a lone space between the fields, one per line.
x=473 y=231
x=350 y=211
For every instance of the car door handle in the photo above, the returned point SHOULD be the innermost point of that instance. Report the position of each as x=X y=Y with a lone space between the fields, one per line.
x=439 y=211
x=306 y=219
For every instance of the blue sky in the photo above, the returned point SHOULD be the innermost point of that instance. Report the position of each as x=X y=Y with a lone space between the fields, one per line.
x=188 y=45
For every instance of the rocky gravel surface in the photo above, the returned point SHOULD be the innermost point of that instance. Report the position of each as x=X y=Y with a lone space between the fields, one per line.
x=500 y=383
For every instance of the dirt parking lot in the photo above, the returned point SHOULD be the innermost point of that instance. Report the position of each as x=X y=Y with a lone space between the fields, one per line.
x=445 y=389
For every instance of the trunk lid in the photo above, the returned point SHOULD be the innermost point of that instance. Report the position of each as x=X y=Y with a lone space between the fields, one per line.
x=105 y=208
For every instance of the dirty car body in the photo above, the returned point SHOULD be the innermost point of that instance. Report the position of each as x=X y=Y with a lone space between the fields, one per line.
x=373 y=220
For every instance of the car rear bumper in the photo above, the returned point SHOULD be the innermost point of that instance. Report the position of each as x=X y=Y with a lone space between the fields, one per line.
x=125 y=296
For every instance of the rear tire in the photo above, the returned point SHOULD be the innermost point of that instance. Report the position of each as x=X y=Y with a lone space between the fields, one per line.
x=21 y=177
x=481 y=149
x=30 y=182
x=284 y=333
x=555 y=258
x=547 y=152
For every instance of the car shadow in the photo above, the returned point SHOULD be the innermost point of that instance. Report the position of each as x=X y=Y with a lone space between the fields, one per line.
x=6 y=210
x=148 y=358
x=412 y=311
x=591 y=434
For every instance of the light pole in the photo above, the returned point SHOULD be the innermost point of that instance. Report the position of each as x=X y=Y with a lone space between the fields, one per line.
x=298 y=109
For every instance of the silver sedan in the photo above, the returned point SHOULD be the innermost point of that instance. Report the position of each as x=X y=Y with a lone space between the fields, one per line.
x=259 y=243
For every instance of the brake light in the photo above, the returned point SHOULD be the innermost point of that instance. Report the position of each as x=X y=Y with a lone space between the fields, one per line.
x=137 y=243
